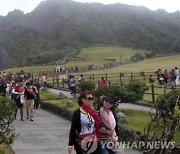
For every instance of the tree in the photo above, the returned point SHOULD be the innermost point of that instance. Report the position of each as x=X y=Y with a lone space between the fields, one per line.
x=163 y=124
x=7 y=114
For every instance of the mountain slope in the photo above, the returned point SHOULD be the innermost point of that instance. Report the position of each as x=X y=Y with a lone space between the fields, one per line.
x=57 y=28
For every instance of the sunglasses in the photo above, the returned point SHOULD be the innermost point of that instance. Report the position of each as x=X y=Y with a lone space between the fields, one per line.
x=90 y=98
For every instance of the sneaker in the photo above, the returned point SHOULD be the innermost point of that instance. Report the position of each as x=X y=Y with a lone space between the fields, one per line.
x=31 y=119
x=27 y=118
x=22 y=119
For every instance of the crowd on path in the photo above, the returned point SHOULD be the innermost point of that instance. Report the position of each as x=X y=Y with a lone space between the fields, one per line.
x=24 y=90
x=169 y=78
x=74 y=69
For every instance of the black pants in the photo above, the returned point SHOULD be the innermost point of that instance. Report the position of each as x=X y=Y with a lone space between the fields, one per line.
x=36 y=101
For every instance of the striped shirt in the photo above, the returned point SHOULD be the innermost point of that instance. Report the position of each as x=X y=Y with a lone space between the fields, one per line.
x=103 y=136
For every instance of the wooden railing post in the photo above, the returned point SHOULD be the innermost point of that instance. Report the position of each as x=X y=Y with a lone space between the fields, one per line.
x=106 y=76
x=93 y=77
x=153 y=95
x=131 y=76
x=144 y=76
x=120 y=77
x=53 y=81
x=109 y=83
x=57 y=79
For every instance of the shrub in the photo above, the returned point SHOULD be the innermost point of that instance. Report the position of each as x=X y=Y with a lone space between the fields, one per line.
x=86 y=85
x=7 y=114
x=168 y=102
x=131 y=92
x=139 y=88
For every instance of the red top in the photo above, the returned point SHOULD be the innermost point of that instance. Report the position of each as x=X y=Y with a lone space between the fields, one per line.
x=18 y=89
x=103 y=83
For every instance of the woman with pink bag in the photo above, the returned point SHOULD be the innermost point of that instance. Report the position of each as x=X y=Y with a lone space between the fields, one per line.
x=108 y=125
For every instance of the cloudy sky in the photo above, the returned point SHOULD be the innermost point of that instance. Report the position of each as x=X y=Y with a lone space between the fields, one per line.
x=28 y=5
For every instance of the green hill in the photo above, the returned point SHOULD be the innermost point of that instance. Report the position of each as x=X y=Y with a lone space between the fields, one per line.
x=58 y=28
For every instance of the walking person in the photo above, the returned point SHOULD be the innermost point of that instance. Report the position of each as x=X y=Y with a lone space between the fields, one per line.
x=85 y=123
x=103 y=82
x=29 y=94
x=176 y=72
x=37 y=97
x=17 y=94
x=108 y=125
x=72 y=84
x=44 y=80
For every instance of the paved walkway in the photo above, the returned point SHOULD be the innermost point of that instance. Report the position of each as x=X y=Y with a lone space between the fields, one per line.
x=136 y=107
x=48 y=134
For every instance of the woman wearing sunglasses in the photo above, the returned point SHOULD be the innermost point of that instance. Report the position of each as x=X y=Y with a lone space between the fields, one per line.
x=84 y=133
x=108 y=125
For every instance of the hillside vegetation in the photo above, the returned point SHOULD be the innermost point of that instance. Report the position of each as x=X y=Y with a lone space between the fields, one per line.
x=102 y=55
x=88 y=56
x=147 y=65
x=58 y=28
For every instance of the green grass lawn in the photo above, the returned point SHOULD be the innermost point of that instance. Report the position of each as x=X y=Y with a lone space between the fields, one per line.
x=90 y=55
x=102 y=55
x=5 y=150
x=46 y=95
x=147 y=65
x=34 y=69
x=138 y=120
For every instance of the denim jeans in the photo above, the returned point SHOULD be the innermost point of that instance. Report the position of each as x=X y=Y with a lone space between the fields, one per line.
x=104 y=150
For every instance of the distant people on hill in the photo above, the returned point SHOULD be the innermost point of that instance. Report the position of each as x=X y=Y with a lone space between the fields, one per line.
x=160 y=77
x=81 y=79
x=151 y=80
x=91 y=79
x=44 y=80
x=72 y=84
x=172 y=77
x=103 y=82
x=166 y=76
x=176 y=71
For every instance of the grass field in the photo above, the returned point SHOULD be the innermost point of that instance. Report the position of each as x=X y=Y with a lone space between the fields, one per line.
x=91 y=55
x=147 y=65
x=138 y=120
x=102 y=55
x=34 y=69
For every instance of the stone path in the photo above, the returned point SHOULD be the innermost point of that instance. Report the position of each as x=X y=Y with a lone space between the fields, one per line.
x=136 y=107
x=48 y=134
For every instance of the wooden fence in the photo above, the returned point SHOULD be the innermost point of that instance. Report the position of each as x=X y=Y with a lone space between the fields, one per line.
x=57 y=81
